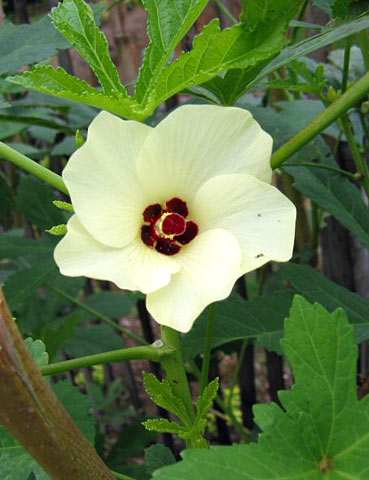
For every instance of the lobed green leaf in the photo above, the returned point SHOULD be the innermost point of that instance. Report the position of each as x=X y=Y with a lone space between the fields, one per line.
x=75 y=20
x=168 y=22
x=57 y=82
x=162 y=394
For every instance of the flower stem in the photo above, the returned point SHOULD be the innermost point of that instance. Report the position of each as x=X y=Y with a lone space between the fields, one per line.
x=175 y=370
x=148 y=352
x=204 y=378
x=352 y=176
x=364 y=46
x=237 y=371
x=360 y=162
x=97 y=314
x=32 y=167
x=328 y=116
x=346 y=64
x=120 y=476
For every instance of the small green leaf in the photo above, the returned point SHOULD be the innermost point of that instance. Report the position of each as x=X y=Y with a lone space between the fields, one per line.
x=162 y=425
x=162 y=394
x=58 y=230
x=75 y=20
x=37 y=350
x=80 y=139
x=57 y=82
x=64 y=206
x=158 y=456
x=205 y=401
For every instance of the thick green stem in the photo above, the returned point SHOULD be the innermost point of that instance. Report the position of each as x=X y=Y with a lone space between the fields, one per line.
x=33 y=167
x=97 y=314
x=330 y=114
x=175 y=370
x=148 y=352
x=204 y=378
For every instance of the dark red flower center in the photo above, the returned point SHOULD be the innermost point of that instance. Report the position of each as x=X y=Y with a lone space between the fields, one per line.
x=166 y=229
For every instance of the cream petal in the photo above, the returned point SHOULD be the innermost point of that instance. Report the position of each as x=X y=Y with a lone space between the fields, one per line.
x=257 y=214
x=210 y=265
x=197 y=142
x=133 y=267
x=102 y=181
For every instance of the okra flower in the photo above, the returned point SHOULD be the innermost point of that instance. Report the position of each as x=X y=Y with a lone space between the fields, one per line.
x=178 y=212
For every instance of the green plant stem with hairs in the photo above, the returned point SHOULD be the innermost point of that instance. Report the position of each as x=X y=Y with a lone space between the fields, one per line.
x=204 y=377
x=353 y=95
x=32 y=167
x=147 y=352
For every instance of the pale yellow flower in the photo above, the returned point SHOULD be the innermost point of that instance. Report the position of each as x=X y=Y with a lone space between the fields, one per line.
x=178 y=212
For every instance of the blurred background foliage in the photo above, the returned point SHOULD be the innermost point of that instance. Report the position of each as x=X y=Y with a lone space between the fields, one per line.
x=76 y=317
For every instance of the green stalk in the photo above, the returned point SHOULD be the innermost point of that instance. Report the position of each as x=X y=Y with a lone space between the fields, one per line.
x=120 y=476
x=360 y=162
x=364 y=46
x=148 y=352
x=32 y=167
x=97 y=314
x=204 y=378
x=346 y=64
x=352 y=176
x=175 y=370
x=328 y=116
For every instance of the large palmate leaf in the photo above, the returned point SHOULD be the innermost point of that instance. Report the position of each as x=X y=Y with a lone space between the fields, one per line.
x=337 y=195
x=229 y=88
x=168 y=22
x=16 y=463
x=322 y=431
x=75 y=20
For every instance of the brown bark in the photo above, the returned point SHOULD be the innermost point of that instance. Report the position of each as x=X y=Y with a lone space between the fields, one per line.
x=2 y=14
x=32 y=413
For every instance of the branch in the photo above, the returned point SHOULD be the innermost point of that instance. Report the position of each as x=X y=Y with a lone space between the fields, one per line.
x=148 y=352
x=35 y=417
x=322 y=121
